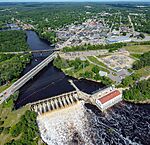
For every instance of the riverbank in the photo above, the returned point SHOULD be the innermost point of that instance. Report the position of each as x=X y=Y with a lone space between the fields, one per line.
x=138 y=102
x=81 y=69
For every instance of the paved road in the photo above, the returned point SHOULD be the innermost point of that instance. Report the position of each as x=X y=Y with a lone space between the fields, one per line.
x=20 y=82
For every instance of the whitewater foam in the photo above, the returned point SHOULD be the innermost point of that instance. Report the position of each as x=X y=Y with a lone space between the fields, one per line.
x=67 y=126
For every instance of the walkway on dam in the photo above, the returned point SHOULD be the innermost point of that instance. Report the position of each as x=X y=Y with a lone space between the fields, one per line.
x=55 y=103
x=24 y=79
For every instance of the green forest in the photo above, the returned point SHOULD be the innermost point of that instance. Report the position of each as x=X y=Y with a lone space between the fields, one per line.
x=144 y=60
x=138 y=92
x=27 y=128
x=12 y=41
x=11 y=65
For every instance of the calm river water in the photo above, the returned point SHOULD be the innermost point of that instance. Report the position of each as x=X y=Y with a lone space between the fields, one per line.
x=50 y=81
x=123 y=124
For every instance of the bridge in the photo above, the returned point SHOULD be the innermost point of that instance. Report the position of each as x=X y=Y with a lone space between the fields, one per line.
x=24 y=79
x=32 y=51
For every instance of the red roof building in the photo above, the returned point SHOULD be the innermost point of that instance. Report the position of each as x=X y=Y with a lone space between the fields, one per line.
x=109 y=96
x=109 y=100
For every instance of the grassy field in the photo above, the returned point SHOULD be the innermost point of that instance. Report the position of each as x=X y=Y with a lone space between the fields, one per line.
x=2 y=88
x=144 y=72
x=88 y=68
x=10 y=118
x=95 y=60
x=138 y=48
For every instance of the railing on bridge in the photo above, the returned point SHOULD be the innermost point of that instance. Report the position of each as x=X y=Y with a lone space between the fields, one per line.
x=20 y=82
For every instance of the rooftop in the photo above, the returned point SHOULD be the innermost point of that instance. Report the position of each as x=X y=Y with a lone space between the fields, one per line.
x=109 y=96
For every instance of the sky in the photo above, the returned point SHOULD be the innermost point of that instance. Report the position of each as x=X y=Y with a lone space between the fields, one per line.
x=71 y=0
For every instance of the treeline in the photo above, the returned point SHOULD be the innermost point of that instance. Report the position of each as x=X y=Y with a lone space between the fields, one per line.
x=94 y=75
x=5 y=57
x=138 y=92
x=144 y=61
x=27 y=129
x=50 y=36
x=77 y=64
x=110 y=47
x=11 y=68
x=13 y=41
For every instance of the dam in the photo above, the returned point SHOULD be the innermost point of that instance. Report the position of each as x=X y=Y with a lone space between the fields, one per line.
x=102 y=99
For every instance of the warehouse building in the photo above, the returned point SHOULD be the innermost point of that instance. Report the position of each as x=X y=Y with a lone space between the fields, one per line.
x=118 y=39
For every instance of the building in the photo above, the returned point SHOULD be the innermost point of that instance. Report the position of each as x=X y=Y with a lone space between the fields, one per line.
x=109 y=100
x=102 y=73
x=118 y=39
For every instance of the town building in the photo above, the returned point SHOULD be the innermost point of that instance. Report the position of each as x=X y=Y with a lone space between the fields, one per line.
x=118 y=39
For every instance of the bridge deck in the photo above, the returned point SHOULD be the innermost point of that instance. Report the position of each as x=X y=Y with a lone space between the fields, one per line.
x=20 y=82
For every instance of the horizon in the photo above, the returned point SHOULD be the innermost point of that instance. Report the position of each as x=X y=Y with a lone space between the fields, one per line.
x=75 y=1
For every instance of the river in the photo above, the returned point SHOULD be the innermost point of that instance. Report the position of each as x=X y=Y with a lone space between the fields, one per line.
x=123 y=124
x=50 y=81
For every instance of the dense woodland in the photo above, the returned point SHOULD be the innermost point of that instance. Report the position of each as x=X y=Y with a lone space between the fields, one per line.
x=139 y=91
x=13 y=41
x=11 y=65
x=144 y=61
x=27 y=128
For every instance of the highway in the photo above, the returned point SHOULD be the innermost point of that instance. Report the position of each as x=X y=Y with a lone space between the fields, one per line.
x=24 y=79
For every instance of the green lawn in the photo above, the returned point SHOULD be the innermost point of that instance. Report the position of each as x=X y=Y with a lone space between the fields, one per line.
x=138 y=48
x=95 y=60
x=88 y=68
x=135 y=56
x=144 y=72
x=2 y=88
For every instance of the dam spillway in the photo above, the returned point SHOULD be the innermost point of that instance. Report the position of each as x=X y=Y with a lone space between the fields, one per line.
x=55 y=103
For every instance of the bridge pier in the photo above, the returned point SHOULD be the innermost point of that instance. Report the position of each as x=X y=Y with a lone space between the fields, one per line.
x=64 y=102
x=56 y=104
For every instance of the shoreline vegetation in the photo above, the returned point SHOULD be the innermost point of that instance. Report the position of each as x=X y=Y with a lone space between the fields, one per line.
x=12 y=65
x=80 y=69
x=139 y=85
x=18 y=127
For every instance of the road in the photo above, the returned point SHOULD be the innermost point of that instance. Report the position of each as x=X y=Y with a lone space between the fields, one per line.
x=20 y=82
x=133 y=30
